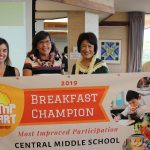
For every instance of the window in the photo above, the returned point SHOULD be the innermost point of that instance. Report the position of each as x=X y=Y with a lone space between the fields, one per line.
x=146 y=43
x=146 y=46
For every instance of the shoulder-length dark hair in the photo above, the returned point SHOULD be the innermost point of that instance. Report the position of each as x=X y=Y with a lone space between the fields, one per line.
x=55 y=50
x=90 y=37
x=3 y=41
x=37 y=38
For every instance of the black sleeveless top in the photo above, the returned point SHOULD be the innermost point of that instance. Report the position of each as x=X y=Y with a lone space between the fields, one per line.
x=9 y=71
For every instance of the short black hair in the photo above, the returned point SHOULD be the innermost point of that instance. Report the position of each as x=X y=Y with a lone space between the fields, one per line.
x=90 y=37
x=132 y=95
x=66 y=49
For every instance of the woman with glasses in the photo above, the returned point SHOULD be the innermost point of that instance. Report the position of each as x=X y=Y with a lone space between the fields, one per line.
x=43 y=58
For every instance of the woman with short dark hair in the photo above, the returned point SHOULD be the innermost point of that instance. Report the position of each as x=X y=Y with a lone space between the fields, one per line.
x=5 y=69
x=44 y=57
x=88 y=64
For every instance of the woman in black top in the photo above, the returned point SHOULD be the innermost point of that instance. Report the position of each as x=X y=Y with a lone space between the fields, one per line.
x=5 y=68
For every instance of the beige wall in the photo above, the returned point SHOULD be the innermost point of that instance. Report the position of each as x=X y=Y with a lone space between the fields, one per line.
x=117 y=33
x=118 y=16
x=76 y=25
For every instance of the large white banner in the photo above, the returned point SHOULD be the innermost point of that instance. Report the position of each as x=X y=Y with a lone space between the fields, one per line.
x=75 y=112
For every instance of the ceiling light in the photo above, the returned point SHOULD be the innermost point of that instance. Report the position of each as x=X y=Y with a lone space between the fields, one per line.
x=57 y=20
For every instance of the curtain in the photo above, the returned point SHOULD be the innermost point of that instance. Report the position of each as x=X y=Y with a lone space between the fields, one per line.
x=136 y=34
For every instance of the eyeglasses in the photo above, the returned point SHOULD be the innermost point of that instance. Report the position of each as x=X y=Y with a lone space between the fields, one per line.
x=42 y=42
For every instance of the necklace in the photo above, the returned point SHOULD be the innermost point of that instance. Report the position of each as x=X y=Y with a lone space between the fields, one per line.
x=46 y=63
x=84 y=69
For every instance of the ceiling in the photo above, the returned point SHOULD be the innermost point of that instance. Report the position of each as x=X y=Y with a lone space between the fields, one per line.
x=132 y=5
x=47 y=9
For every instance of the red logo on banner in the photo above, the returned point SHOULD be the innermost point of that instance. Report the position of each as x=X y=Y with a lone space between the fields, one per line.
x=65 y=105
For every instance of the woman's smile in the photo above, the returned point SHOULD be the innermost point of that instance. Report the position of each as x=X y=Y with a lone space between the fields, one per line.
x=44 y=46
x=87 y=50
x=3 y=53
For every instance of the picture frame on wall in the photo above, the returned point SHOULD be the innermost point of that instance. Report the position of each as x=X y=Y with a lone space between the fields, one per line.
x=110 y=51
